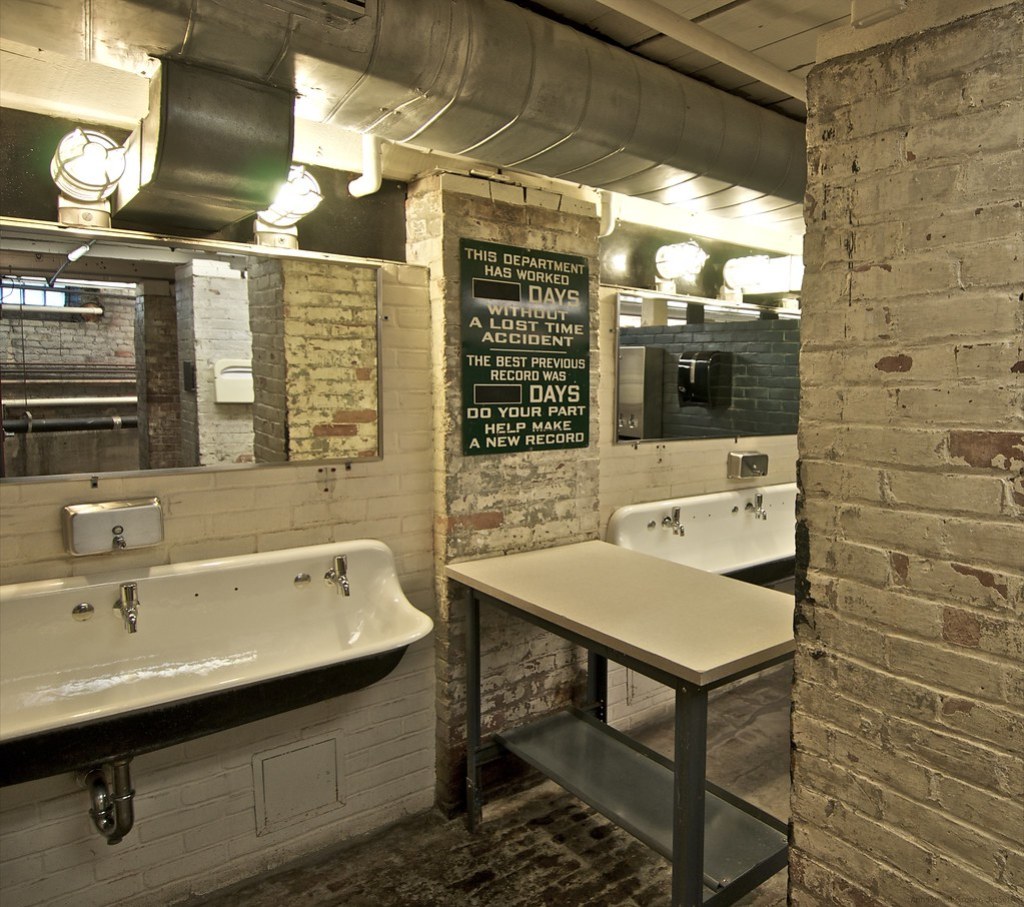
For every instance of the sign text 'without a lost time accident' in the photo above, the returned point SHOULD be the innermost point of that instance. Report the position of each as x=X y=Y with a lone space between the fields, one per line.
x=525 y=349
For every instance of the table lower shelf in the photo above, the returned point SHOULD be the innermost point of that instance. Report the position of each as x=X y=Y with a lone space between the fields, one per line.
x=634 y=788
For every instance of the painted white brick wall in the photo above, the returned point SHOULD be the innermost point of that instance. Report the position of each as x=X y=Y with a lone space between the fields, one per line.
x=195 y=806
x=908 y=729
x=220 y=309
x=30 y=340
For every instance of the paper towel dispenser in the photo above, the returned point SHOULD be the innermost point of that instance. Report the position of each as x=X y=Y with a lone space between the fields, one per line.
x=705 y=379
x=232 y=381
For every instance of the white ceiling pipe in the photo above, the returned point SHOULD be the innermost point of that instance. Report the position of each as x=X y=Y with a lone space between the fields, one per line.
x=609 y=212
x=74 y=401
x=656 y=16
x=370 y=181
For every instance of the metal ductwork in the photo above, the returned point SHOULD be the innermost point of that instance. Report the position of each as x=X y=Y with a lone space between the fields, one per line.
x=485 y=79
x=212 y=149
x=502 y=85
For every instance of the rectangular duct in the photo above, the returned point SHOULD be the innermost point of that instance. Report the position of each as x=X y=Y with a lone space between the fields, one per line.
x=212 y=149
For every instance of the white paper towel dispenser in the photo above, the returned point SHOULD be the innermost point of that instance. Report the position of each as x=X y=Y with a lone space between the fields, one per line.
x=232 y=381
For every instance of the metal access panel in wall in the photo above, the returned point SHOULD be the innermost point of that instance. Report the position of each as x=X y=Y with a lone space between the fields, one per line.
x=641 y=370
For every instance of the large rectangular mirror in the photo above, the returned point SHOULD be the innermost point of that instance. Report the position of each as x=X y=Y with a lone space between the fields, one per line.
x=708 y=335
x=696 y=368
x=123 y=351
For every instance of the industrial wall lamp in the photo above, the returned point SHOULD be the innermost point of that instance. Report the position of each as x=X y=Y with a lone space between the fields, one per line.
x=86 y=167
x=299 y=195
x=680 y=260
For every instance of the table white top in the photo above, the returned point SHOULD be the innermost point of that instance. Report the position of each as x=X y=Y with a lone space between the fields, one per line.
x=692 y=624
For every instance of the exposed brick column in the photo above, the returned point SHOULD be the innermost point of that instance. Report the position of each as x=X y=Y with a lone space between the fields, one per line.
x=156 y=357
x=266 y=325
x=908 y=779
x=313 y=371
x=497 y=503
x=188 y=362
x=213 y=324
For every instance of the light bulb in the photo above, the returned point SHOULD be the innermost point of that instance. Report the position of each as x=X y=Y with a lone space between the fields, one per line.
x=299 y=195
x=87 y=165
x=680 y=260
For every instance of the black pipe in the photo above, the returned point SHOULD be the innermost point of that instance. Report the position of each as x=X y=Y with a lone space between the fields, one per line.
x=24 y=426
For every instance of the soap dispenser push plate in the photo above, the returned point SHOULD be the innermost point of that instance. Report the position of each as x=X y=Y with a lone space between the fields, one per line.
x=112 y=526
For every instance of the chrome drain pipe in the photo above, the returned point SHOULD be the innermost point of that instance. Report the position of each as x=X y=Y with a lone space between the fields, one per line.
x=110 y=793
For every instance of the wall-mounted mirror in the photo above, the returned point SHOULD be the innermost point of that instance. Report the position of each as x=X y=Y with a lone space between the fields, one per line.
x=708 y=336
x=123 y=351
x=728 y=371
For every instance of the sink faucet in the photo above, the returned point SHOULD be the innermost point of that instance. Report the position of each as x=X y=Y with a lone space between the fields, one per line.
x=337 y=576
x=758 y=506
x=672 y=522
x=128 y=605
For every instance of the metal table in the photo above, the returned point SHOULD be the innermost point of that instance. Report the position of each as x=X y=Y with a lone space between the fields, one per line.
x=686 y=628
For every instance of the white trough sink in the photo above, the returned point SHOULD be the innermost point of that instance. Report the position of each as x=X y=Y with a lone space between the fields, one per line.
x=218 y=643
x=721 y=533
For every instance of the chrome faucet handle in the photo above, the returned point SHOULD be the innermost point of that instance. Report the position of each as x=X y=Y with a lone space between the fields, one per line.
x=677 y=527
x=337 y=575
x=128 y=604
x=759 y=512
x=341 y=568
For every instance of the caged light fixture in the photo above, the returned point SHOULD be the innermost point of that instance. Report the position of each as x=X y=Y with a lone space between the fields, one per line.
x=299 y=195
x=680 y=260
x=763 y=274
x=86 y=167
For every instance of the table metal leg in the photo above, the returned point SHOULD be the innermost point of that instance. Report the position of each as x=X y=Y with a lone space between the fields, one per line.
x=688 y=801
x=597 y=685
x=474 y=809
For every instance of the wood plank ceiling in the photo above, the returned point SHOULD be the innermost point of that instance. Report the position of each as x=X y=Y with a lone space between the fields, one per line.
x=782 y=32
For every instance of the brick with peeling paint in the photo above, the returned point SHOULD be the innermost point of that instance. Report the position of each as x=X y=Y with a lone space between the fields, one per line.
x=922 y=345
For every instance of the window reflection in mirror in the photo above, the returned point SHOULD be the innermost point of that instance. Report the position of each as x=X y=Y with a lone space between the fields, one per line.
x=140 y=355
x=67 y=363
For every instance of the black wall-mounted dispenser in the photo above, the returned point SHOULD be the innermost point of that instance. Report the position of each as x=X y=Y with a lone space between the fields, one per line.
x=705 y=379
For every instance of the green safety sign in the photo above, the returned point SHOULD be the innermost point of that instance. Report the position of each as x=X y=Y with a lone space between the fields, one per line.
x=525 y=349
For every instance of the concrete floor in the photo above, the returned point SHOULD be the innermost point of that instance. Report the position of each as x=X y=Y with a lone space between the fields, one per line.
x=542 y=847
